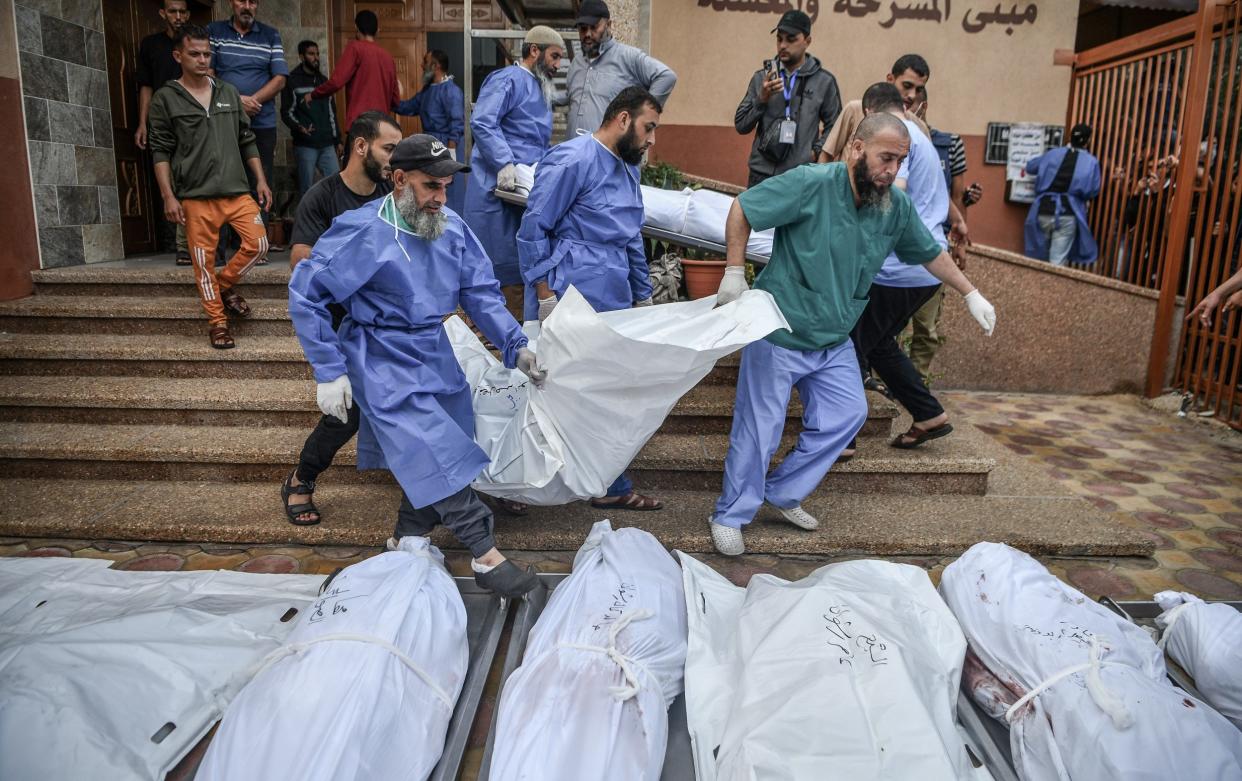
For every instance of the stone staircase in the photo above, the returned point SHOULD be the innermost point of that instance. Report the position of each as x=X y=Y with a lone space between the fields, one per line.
x=118 y=421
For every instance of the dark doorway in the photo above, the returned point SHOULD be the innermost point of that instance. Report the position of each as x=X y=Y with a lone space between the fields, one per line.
x=126 y=23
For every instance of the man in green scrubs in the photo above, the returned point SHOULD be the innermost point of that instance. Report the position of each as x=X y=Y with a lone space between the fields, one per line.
x=834 y=224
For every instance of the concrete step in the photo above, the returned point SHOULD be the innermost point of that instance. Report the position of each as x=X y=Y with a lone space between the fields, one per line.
x=146 y=316
x=268 y=402
x=258 y=357
x=155 y=278
x=83 y=451
x=363 y=515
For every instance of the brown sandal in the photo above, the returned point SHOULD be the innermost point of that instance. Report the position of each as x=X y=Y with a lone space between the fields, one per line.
x=234 y=303
x=220 y=338
x=630 y=501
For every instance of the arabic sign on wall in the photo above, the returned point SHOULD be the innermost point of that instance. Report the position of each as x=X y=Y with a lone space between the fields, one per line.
x=973 y=20
x=987 y=60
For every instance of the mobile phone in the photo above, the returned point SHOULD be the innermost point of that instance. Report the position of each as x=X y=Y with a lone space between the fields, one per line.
x=768 y=69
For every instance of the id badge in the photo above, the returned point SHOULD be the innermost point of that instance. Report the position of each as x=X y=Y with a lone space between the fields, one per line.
x=788 y=129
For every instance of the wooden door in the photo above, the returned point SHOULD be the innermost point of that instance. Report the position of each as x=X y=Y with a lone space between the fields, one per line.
x=401 y=35
x=126 y=23
x=403 y=28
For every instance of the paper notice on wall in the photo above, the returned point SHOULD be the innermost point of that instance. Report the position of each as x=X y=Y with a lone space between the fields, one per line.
x=1026 y=142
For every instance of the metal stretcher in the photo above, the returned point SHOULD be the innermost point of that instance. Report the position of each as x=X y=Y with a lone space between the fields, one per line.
x=659 y=234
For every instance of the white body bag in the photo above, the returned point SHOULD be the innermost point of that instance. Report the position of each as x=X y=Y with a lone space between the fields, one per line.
x=603 y=665
x=114 y=676
x=613 y=377
x=365 y=685
x=1094 y=703
x=1206 y=640
x=848 y=674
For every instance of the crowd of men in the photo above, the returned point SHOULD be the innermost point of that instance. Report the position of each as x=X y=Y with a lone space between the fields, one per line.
x=380 y=255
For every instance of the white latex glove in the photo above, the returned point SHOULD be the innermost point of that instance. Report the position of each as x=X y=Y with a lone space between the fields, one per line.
x=983 y=312
x=526 y=365
x=335 y=397
x=732 y=286
x=546 y=305
x=645 y=302
x=506 y=179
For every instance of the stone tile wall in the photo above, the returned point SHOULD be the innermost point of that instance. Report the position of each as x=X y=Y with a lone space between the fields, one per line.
x=69 y=130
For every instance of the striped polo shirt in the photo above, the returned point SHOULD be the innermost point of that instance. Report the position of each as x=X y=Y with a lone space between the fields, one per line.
x=248 y=62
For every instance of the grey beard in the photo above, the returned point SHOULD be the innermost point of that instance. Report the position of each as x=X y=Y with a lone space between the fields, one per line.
x=880 y=201
x=429 y=226
x=546 y=85
x=424 y=224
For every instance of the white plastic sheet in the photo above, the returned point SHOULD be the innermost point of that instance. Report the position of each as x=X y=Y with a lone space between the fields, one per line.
x=612 y=379
x=1119 y=720
x=116 y=675
x=603 y=665
x=850 y=673
x=1206 y=640
x=365 y=685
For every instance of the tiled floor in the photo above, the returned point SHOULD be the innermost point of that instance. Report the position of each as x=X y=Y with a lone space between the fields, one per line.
x=1163 y=476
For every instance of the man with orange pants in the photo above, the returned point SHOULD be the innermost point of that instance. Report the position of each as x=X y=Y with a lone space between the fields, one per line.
x=200 y=137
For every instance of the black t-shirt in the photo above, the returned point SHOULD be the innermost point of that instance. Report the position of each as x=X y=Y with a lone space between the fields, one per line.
x=323 y=203
x=156 y=65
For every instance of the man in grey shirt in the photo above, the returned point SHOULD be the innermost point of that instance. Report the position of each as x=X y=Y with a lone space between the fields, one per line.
x=607 y=67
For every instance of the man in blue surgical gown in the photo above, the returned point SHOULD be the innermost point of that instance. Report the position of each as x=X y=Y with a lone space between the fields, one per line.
x=583 y=227
x=439 y=105
x=398 y=266
x=512 y=125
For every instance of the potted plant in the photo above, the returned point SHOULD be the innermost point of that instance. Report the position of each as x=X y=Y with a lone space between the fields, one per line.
x=703 y=272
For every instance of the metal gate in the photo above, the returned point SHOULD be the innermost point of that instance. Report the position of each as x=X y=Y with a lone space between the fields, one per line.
x=1166 y=108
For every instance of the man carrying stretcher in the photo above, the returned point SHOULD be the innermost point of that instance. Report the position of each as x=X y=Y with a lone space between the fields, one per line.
x=583 y=227
x=834 y=224
x=398 y=267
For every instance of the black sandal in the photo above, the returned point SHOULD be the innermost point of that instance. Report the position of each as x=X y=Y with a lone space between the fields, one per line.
x=918 y=436
x=307 y=508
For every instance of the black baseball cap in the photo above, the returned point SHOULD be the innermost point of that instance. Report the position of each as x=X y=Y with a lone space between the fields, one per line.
x=421 y=152
x=793 y=22
x=591 y=11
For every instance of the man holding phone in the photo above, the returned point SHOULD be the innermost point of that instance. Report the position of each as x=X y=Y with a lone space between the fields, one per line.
x=793 y=101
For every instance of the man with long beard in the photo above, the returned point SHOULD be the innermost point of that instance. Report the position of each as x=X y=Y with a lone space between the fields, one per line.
x=512 y=125
x=834 y=224
x=583 y=227
x=399 y=269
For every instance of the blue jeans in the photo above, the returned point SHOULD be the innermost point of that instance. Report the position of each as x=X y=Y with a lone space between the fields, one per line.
x=309 y=159
x=1061 y=232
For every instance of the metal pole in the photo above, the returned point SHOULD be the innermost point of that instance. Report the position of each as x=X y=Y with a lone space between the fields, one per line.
x=468 y=75
x=1183 y=195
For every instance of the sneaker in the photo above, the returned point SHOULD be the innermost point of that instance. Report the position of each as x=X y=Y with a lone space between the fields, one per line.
x=799 y=517
x=507 y=580
x=727 y=539
x=183 y=258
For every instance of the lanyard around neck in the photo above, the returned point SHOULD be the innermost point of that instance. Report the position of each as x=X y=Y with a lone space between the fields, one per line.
x=787 y=90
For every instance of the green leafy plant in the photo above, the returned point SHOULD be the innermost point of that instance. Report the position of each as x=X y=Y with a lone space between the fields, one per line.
x=665 y=176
